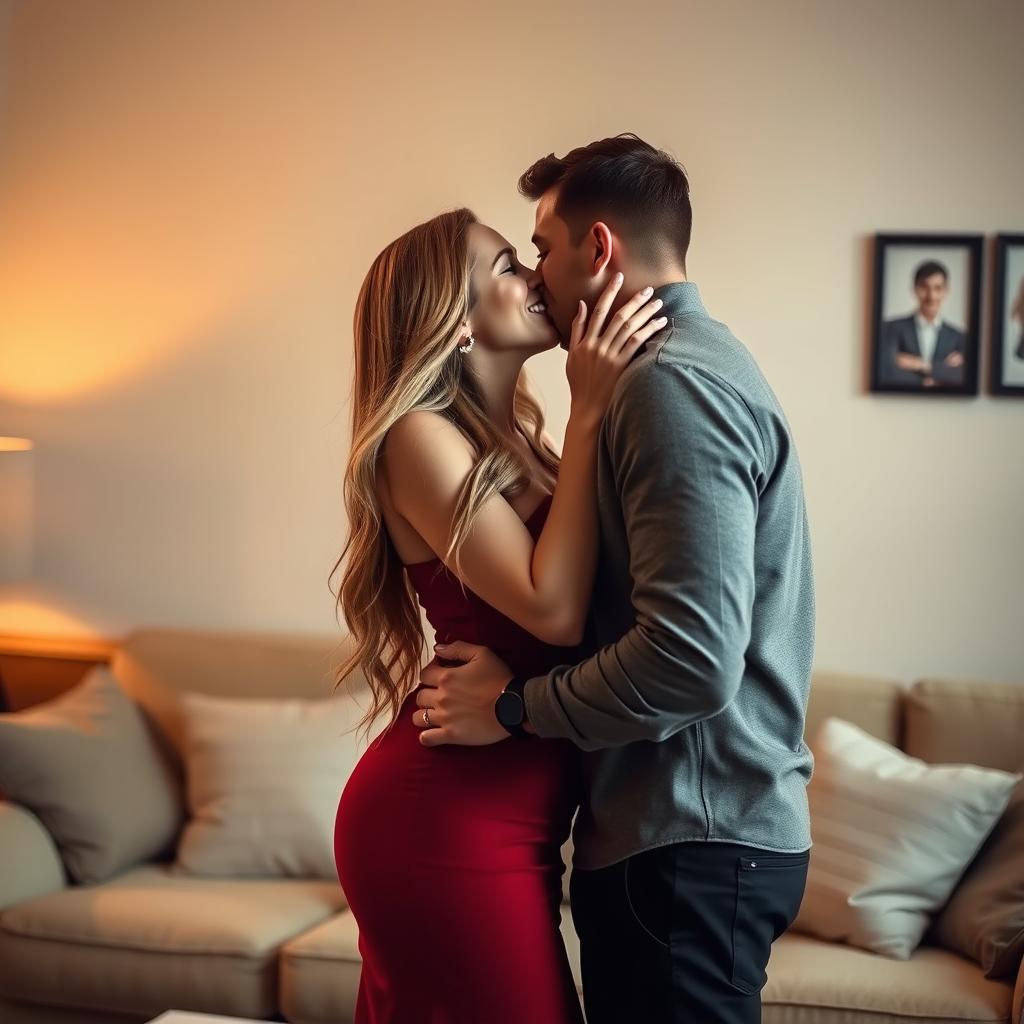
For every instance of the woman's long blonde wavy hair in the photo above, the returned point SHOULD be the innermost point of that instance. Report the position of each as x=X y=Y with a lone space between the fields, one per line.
x=407 y=324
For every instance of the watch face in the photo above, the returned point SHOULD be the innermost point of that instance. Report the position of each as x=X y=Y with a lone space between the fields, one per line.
x=509 y=709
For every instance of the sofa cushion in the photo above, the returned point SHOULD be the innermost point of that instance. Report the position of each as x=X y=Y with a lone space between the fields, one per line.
x=319 y=971
x=962 y=722
x=814 y=982
x=809 y=981
x=892 y=836
x=86 y=764
x=874 y=705
x=147 y=940
x=264 y=776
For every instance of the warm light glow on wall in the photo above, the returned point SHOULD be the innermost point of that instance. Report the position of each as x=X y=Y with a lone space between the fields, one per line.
x=88 y=344
x=126 y=244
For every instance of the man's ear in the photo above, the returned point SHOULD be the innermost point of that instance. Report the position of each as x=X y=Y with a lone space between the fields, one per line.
x=602 y=243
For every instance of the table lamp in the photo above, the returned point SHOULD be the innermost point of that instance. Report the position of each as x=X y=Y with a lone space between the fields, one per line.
x=16 y=500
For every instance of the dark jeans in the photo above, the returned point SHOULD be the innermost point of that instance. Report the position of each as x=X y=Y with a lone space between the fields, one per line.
x=681 y=934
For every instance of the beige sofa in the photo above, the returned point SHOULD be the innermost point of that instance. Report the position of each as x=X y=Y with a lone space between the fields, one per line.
x=129 y=948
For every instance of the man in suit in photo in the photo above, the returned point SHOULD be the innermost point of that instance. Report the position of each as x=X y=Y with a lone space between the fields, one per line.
x=923 y=349
x=1017 y=313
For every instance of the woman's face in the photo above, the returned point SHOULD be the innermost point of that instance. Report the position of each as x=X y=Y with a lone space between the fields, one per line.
x=510 y=313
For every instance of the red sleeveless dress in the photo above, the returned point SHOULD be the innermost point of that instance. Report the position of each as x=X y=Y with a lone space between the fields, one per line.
x=449 y=856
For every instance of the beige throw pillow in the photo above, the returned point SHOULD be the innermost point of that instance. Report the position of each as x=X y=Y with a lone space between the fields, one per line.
x=263 y=780
x=891 y=837
x=86 y=765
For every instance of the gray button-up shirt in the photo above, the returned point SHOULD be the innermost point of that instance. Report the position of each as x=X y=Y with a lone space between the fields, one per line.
x=691 y=707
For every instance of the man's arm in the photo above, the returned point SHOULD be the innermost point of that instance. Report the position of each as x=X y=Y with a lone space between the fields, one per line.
x=688 y=460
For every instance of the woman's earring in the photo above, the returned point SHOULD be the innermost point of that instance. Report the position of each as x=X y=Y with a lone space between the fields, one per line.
x=467 y=333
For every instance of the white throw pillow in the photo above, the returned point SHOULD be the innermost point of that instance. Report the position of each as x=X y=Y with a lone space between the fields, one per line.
x=263 y=780
x=892 y=835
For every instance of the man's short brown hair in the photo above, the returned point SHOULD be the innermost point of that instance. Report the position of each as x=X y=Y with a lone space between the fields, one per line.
x=639 y=191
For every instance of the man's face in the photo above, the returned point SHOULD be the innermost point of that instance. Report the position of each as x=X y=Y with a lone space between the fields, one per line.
x=930 y=294
x=565 y=268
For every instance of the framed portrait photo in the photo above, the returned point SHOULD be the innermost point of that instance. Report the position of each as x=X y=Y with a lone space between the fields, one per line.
x=925 y=323
x=1007 y=362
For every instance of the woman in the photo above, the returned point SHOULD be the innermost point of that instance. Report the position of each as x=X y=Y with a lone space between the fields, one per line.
x=450 y=858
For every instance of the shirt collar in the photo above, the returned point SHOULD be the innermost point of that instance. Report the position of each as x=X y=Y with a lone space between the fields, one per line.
x=922 y=322
x=679 y=298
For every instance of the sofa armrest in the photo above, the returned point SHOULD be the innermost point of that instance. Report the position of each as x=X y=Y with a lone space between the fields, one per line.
x=31 y=863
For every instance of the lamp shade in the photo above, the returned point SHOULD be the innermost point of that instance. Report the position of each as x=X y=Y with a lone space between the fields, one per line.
x=16 y=504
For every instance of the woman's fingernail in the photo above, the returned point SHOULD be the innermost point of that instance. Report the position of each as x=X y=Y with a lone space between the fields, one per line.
x=648 y=291
x=619 y=277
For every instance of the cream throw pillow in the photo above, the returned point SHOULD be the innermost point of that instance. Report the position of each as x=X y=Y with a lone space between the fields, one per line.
x=87 y=766
x=892 y=835
x=263 y=780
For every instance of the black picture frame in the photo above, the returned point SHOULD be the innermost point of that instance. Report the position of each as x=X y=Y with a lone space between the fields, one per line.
x=887 y=336
x=1001 y=295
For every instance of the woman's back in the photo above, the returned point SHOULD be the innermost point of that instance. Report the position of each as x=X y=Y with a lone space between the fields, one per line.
x=450 y=856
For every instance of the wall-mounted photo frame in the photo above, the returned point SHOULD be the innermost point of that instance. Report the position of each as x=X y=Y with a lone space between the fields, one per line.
x=1006 y=366
x=925 y=327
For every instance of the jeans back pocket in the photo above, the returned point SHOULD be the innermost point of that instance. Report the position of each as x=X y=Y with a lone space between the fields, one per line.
x=769 y=889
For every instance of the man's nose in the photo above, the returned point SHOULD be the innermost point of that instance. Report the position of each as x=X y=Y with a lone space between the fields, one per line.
x=536 y=279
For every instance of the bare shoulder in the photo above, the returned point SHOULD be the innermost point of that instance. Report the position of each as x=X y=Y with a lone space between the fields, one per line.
x=424 y=433
x=425 y=455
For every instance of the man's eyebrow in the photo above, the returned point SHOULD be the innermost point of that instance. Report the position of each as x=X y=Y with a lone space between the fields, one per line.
x=507 y=251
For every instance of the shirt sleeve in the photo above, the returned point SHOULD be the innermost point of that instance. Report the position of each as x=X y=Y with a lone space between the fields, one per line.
x=688 y=458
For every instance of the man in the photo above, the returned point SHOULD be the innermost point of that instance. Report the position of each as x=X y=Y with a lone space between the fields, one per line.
x=692 y=844
x=922 y=349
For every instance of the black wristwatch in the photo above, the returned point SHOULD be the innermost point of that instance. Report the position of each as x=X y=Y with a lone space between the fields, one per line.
x=510 y=707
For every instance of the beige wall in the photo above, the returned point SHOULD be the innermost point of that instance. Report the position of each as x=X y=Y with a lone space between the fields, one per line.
x=190 y=193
